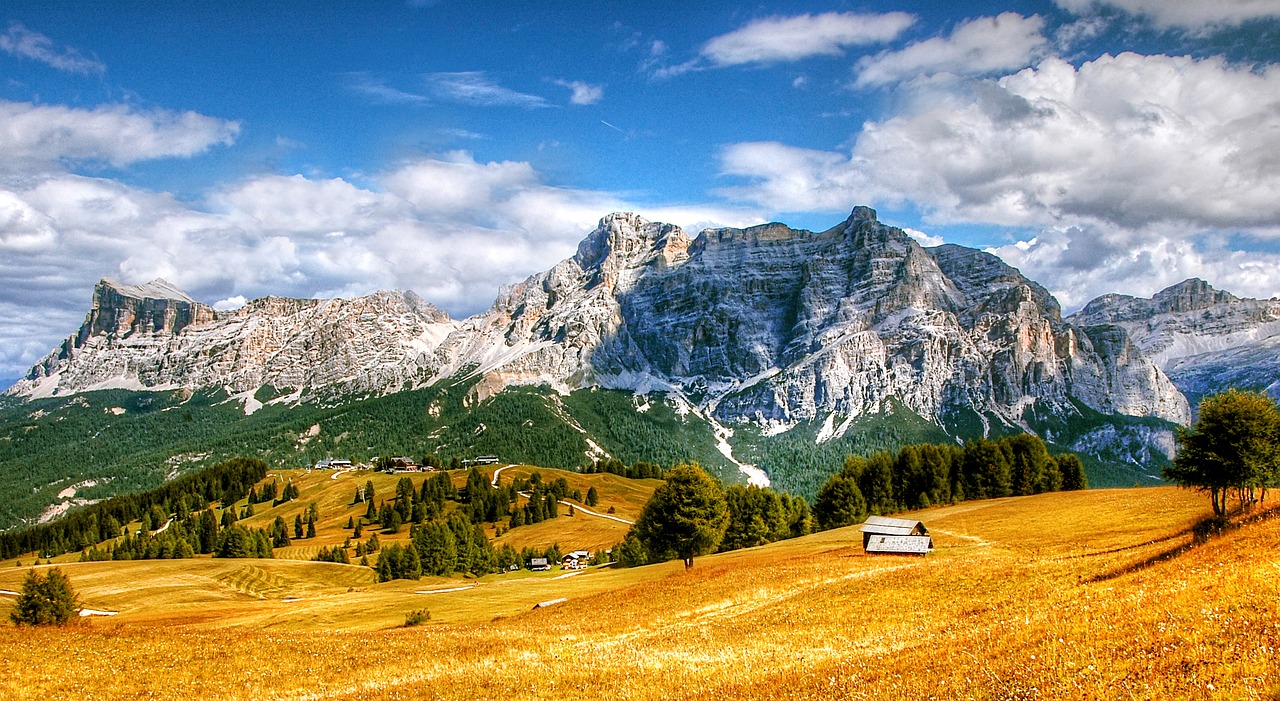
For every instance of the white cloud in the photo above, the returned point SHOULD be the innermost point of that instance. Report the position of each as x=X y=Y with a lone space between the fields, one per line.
x=926 y=240
x=24 y=43
x=975 y=47
x=1194 y=15
x=789 y=179
x=783 y=39
x=115 y=134
x=1128 y=140
x=475 y=88
x=1080 y=263
x=582 y=93
x=230 y=303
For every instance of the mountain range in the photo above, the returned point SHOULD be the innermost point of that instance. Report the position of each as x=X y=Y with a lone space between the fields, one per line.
x=764 y=335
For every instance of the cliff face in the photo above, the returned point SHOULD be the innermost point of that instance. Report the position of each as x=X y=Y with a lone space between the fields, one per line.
x=768 y=324
x=155 y=337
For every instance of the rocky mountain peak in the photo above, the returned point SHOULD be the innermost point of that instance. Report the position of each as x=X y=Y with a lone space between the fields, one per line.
x=861 y=213
x=158 y=288
x=1190 y=295
x=156 y=307
x=624 y=238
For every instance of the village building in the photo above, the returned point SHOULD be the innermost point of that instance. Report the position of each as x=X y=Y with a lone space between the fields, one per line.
x=539 y=564
x=403 y=464
x=895 y=536
x=576 y=560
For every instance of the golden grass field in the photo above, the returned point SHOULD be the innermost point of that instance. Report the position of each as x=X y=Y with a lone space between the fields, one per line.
x=1081 y=595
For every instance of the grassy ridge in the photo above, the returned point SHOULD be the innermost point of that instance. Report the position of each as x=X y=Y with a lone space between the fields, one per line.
x=1099 y=594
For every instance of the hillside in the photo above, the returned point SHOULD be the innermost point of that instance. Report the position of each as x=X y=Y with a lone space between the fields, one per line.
x=1097 y=594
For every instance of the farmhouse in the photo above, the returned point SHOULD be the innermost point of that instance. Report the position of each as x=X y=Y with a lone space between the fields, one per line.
x=539 y=564
x=895 y=536
x=576 y=560
x=402 y=464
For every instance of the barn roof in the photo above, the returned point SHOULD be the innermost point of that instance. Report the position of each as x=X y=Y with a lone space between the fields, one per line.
x=879 y=525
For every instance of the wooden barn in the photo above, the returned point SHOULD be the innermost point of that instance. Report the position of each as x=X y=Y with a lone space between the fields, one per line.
x=895 y=536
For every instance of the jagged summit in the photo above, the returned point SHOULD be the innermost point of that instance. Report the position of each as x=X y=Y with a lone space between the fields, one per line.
x=1190 y=295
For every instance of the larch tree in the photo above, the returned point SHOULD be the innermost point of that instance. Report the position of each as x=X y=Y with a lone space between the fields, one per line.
x=686 y=516
x=1234 y=447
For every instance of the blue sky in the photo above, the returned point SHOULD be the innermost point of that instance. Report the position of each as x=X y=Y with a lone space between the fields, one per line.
x=320 y=149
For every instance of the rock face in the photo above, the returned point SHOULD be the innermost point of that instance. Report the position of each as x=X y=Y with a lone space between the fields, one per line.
x=768 y=324
x=1205 y=339
x=155 y=337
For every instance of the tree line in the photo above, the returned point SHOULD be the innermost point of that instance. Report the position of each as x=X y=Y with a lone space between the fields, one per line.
x=692 y=514
x=226 y=482
x=919 y=476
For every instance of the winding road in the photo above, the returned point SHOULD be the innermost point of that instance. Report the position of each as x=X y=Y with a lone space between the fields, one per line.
x=576 y=507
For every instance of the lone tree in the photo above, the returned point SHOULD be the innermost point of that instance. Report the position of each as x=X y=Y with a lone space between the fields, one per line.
x=45 y=600
x=1235 y=446
x=686 y=516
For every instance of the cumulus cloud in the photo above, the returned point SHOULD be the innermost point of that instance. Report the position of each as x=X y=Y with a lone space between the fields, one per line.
x=582 y=93
x=1080 y=263
x=1194 y=15
x=790 y=179
x=1133 y=172
x=785 y=39
x=24 y=43
x=1128 y=140
x=476 y=88
x=114 y=134
x=450 y=227
x=975 y=47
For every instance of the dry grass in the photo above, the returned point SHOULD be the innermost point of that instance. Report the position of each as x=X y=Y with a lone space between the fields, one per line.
x=1088 y=595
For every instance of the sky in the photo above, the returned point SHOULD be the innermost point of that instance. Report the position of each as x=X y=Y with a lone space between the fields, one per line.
x=333 y=149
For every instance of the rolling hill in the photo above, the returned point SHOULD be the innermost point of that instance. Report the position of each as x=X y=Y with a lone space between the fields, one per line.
x=1097 y=594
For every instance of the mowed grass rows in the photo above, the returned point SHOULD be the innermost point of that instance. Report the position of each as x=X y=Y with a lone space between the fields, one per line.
x=1099 y=594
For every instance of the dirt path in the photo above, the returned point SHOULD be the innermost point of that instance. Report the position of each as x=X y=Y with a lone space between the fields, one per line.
x=576 y=507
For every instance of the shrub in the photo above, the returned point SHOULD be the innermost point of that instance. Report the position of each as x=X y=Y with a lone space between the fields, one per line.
x=416 y=618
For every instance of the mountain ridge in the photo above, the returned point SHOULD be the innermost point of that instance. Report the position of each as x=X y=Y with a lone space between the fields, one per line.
x=774 y=324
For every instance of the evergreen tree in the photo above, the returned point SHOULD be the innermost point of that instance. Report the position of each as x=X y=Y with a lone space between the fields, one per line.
x=593 y=497
x=45 y=600
x=297 y=527
x=279 y=533
x=1072 y=471
x=686 y=516
x=840 y=502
